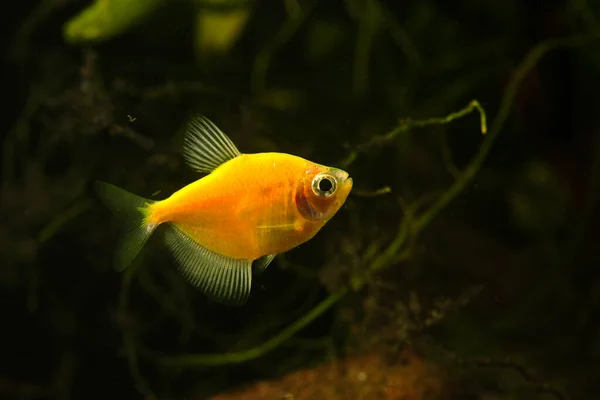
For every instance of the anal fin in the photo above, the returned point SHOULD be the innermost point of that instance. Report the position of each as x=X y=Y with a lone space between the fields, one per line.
x=223 y=279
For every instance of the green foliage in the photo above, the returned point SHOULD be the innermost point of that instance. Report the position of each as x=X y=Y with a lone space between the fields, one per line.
x=218 y=23
x=106 y=19
x=467 y=247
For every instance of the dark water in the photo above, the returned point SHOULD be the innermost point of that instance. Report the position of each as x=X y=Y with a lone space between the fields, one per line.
x=499 y=286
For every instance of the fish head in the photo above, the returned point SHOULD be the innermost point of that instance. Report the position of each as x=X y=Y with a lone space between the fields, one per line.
x=322 y=191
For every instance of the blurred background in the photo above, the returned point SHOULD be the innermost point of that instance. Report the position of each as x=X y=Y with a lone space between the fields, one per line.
x=488 y=291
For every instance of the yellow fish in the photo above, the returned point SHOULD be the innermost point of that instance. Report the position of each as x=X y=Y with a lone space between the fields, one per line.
x=248 y=209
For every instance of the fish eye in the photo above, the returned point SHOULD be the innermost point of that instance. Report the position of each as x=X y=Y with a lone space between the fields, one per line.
x=324 y=184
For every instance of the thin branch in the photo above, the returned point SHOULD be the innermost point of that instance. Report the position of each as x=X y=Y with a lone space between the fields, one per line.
x=255 y=352
x=374 y=193
x=531 y=59
x=408 y=124
x=397 y=250
x=62 y=219
x=263 y=58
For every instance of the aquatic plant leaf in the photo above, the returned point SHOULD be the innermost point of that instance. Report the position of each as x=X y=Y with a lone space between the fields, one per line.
x=218 y=29
x=105 y=19
x=221 y=278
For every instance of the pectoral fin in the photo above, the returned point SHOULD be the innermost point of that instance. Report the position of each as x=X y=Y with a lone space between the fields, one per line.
x=262 y=263
x=224 y=279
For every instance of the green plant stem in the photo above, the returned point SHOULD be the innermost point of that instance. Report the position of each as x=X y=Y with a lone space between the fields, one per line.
x=531 y=59
x=255 y=352
x=409 y=227
x=263 y=58
x=62 y=219
x=408 y=124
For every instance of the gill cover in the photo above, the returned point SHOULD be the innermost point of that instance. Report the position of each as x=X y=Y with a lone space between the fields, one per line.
x=306 y=209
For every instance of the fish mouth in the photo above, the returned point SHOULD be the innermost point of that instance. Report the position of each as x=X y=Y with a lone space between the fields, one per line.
x=342 y=176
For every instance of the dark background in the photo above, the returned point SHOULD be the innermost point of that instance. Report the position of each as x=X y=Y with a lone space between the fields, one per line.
x=524 y=231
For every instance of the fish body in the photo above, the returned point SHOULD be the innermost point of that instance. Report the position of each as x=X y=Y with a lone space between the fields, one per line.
x=248 y=208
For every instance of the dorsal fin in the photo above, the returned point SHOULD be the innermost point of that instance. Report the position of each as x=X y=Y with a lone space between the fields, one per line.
x=205 y=146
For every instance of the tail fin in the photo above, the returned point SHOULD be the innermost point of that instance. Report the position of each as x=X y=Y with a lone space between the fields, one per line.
x=132 y=211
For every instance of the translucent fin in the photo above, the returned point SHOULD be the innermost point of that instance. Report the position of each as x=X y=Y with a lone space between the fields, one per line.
x=130 y=210
x=262 y=263
x=224 y=279
x=205 y=147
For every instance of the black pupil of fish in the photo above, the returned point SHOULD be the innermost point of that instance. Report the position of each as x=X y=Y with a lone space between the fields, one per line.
x=325 y=185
